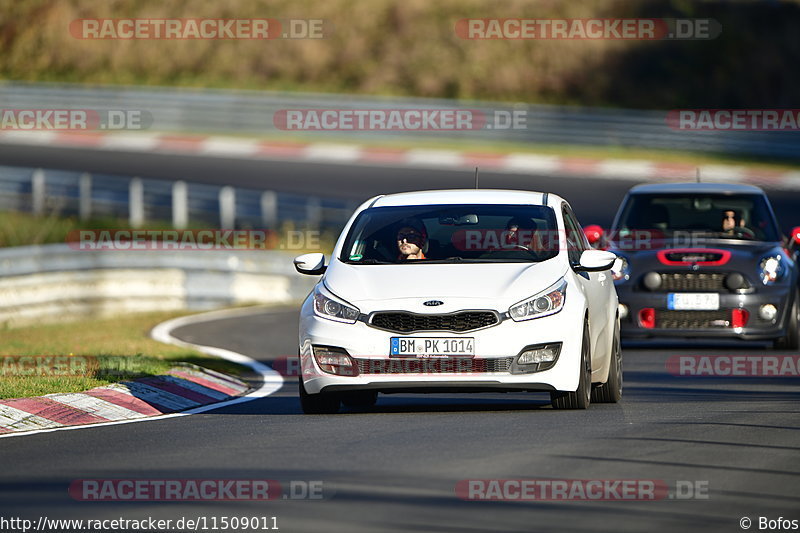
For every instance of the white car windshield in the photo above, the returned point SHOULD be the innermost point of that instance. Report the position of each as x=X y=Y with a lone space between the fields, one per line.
x=451 y=234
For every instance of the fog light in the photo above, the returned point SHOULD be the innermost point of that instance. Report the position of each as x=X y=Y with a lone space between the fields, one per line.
x=543 y=354
x=647 y=318
x=622 y=309
x=334 y=361
x=739 y=318
x=768 y=312
x=652 y=280
x=735 y=281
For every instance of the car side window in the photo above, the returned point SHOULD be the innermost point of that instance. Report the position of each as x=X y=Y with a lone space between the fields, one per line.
x=575 y=237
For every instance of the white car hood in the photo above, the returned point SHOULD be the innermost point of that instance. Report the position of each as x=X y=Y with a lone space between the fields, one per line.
x=458 y=286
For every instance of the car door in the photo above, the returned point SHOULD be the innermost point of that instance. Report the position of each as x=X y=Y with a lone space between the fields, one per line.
x=595 y=285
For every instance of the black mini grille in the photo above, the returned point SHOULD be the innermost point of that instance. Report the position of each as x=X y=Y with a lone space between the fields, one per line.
x=692 y=281
x=433 y=365
x=693 y=319
x=408 y=322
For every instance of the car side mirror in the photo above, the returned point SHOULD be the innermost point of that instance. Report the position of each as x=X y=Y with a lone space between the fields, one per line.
x=593 y=234
x=794 y=237
x=311 y=264
x=595 y=261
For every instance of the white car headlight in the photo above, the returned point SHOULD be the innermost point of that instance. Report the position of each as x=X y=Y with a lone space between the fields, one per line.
x=326 y=305
x=547 y=302
x=771 y=269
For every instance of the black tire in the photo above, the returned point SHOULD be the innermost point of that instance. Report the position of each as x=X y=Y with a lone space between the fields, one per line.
x=360 y=399
x=791 y=341
x=611 y=390
x=582 y=397
x=318 y=404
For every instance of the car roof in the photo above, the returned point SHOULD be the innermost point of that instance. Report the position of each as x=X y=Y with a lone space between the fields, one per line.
x=465 y=196
x=677 y=188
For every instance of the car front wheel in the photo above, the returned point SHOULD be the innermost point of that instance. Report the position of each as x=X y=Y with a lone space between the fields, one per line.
x=580 y=398
x=791 y=341
x=318 y=404
x=611 y=390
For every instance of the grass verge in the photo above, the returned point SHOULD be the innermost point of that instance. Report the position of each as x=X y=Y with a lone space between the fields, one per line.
x=94 y=352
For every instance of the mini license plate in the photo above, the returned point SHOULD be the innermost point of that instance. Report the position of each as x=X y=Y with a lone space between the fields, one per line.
x=432 y=346
x=683 y=301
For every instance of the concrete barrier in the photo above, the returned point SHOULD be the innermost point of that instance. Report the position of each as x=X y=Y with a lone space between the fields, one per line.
x=51 y=282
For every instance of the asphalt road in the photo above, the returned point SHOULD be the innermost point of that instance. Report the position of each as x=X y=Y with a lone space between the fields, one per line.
x=396 y=468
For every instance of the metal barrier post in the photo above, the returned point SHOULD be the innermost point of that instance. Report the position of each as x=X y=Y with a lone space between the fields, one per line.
x=227 y=207
x=180 y=205
x=136 y=203
x=85 y=205
x=37 y=192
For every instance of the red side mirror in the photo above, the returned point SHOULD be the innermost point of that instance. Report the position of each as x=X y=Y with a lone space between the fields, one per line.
x=594 y=233
x=795 y=235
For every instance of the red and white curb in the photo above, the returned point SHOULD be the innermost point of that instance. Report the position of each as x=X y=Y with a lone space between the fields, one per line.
x=524 y=163
x=184 y=390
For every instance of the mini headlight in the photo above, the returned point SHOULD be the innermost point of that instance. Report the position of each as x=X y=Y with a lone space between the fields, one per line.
x=620 y=270
x=326 y=306
x=547 y=302
x=771 y=269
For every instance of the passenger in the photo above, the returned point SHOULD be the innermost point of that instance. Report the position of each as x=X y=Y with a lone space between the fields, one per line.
x=412 y=238
x=519 y=233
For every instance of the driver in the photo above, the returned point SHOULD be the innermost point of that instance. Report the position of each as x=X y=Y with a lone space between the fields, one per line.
x=730 y=221
x=412 y=238
x=519 y=233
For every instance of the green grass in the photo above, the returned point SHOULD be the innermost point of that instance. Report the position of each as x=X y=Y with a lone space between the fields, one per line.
x=107 y=350
x=21 y=229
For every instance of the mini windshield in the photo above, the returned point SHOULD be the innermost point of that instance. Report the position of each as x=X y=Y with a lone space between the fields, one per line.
x=740 y=216
x=452 y=233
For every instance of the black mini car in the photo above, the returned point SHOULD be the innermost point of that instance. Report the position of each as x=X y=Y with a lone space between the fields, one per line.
x=703 y=260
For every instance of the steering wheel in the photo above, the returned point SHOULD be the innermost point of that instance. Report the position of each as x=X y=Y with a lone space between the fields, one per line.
x=744 y=232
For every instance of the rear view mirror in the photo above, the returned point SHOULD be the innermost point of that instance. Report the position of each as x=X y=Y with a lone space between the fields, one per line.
x=596 y=261
x=463 y=220
x=311 y=264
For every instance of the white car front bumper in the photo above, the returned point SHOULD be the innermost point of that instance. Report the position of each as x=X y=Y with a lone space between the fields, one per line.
x=493 y=344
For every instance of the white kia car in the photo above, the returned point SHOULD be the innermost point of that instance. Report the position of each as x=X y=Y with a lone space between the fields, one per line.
x=460 y=291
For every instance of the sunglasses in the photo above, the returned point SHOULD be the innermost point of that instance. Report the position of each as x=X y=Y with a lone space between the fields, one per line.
x=409 y=237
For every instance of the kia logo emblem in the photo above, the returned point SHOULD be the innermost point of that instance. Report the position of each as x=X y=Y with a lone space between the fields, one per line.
x=432 y=303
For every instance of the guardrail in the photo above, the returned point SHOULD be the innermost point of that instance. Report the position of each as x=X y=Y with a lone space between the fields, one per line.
x=40 y=282
x=146 y=200
x=252 y=112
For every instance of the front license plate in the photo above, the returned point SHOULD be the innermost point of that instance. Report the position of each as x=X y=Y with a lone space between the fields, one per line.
x=432 y=347
x=681 y=301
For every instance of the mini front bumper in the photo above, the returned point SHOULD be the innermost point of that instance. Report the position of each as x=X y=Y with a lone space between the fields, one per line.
x=697 y=324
